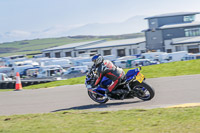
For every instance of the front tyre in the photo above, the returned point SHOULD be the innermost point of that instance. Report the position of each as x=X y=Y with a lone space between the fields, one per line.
x=143 y=91
x=97 y=98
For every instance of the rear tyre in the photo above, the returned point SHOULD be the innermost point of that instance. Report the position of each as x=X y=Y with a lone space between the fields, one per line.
x=97 y=98
x=143 y=91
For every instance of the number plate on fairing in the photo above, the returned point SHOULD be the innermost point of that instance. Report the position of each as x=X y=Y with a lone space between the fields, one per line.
x=140 y=77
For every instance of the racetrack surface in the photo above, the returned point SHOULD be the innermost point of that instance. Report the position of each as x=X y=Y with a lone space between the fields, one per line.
x=169 y=91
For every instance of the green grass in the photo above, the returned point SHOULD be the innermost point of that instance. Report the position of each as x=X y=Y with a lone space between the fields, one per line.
x=2 y=90
x=172 y=69
x=173 y=120
x=72 y=81
x=153 y=71
x=35 y=46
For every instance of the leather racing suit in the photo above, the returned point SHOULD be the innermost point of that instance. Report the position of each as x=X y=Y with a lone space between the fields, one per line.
x=114 y=73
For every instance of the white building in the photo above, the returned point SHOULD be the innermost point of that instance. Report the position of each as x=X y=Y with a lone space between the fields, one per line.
x=190 y=44
x=117 y=48
x=68 y=50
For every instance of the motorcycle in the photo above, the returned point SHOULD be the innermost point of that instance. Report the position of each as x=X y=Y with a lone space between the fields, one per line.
x=132 y=86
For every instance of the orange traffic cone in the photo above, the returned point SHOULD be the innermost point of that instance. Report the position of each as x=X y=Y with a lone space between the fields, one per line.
x=18 y=85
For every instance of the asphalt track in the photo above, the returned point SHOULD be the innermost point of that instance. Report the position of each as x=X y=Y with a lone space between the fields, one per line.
x=170 y=91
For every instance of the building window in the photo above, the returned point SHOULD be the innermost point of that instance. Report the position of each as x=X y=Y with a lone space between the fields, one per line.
x=179 y=48
x=107 y=52
x=192 y=32
x=129 y=51
x=68 y=54
x=47 y=55
x=57 y=54
x=93 y=52
x=193 y=49
x=81 y=52
x=169 y=50
x=134 y=51
x=188 y=18
x=121 y=52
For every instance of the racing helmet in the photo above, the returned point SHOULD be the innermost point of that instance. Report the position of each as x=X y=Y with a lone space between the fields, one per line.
x=97 y=59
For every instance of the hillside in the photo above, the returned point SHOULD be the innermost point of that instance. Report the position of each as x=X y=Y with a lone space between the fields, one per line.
x=36 y=45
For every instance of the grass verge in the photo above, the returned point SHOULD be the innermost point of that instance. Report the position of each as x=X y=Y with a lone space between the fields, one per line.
x=36 y=45
x=154 y=71
x=72 y=81
x=177 y=120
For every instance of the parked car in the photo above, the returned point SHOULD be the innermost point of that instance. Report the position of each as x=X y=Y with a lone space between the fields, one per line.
x=143 y=62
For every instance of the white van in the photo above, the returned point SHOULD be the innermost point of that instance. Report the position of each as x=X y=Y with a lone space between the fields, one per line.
x=50 y=71
x=4 y=77
x=177 y=56
x=120 y=63
x=64 y=63
x=55 y=72
x=7 y=70
x=143 y=62
x=155 y=56
x=83 y=69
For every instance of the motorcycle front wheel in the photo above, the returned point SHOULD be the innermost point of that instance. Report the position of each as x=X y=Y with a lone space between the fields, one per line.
x=97 y=98
x=143 y=91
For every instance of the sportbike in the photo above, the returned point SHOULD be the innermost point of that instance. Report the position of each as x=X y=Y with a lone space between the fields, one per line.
x=133 y=84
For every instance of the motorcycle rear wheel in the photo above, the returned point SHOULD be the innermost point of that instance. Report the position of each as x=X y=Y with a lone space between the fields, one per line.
x=97 y=98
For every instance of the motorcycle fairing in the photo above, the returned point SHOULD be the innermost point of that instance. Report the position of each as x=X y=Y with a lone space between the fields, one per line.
x=132 y=73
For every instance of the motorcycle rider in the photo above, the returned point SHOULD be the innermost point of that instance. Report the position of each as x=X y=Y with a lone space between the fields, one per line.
x=108 y=69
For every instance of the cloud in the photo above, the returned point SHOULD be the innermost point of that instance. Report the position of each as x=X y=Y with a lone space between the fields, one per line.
x=15 y=35
x=54 y=31
x=18 y=33
x=58 y=30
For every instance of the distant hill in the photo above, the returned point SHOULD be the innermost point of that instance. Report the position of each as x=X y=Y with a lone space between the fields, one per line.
x=132 y=25
x=36 y=45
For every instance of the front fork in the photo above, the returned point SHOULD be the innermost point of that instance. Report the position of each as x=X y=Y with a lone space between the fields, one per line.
x=128 y=86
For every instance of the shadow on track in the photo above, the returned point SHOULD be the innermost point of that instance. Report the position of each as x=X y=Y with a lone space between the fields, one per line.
x=93 y=106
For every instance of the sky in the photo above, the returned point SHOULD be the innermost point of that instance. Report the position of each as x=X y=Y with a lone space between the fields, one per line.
x=29 y=19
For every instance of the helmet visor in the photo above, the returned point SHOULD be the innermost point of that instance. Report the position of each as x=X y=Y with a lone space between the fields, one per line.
x=95 y=61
